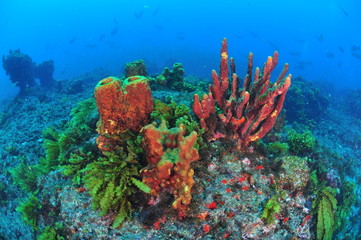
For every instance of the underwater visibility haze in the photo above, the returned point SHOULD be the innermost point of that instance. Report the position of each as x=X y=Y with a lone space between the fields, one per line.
x=180 y=119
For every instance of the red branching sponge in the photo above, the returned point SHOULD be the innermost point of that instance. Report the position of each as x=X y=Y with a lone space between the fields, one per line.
x=123 y=105
x=204 y=109
x=169 y=154
x=248 y=114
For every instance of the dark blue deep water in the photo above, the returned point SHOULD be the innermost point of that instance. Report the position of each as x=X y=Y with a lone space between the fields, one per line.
x=315 y=37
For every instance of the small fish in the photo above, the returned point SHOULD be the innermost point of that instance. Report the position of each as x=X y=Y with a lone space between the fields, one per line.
x=355 y=48
x=139 y=15
x=329 y=54
x=156 y=11
x=114 y=31
x=101 y=37
x=320 y=37
x=343 y=10
x=115 y=21
x=356 y=51
x=72 y=40
x=341 y=49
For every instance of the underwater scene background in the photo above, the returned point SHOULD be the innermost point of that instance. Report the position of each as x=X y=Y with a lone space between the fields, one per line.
x=180 y=119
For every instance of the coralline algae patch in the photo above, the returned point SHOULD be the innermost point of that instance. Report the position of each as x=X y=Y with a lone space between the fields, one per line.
x=84 y=223
x=234 y=194
x=230 y=195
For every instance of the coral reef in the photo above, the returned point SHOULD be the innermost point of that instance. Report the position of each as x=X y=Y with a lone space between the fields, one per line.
x=147 y=182
x=303 y=100
x=44 y=72
x=136 y=68
x=172 y=78
x=20 y=68
x=123 y=105
x=23 y=71
x=249 y=114
x=353 y=103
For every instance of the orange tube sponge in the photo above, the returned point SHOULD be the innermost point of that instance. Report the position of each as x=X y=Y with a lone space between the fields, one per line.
x=169 y=154
x=122 y=105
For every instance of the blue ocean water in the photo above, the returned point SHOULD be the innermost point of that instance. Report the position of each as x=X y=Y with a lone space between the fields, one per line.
x=315 y=37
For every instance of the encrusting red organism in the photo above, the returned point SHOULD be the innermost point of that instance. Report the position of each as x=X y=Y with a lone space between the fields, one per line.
x=248 y=114
x=122 y=105
x=169 y=154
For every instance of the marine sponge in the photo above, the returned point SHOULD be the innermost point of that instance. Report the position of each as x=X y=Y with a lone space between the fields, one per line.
x=169 y=154
x=122 y=105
